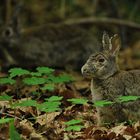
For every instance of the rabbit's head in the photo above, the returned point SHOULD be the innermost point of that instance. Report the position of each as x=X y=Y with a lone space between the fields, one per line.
x=10 y=33
x=103 y=64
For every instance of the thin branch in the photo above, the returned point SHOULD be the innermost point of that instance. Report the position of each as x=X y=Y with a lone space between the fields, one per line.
x=10 y=115
x=103 y=20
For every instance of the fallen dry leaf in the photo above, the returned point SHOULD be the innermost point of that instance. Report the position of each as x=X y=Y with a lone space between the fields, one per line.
x=47 y=118
x=26 y=128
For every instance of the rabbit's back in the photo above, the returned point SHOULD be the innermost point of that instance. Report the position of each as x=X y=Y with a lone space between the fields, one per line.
x=132 y=82
x=120 y=84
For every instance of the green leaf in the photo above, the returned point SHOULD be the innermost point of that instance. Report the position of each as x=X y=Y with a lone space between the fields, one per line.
x=14 y=135
x=128 y=98
x=51 y=109
x=54 y=98
x=74 y=128
x=49 y=106
x=78 y=101
x=35 y=74
x=49 y=87
x=60 y=79
x=34 y=81
x=44 y=70
x=7 y=81
x=35 y=93
x=18 y=72
x=65 y=78
x=25 y=103
x=102 y=103
x=6 y=120
x=5 y=98
x=73 y=122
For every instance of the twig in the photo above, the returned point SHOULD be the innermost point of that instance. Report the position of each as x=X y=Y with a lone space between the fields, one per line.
x=103 y=20
x=13 y=116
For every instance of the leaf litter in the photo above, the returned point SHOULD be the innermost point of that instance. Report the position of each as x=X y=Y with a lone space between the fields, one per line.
x=32 y=123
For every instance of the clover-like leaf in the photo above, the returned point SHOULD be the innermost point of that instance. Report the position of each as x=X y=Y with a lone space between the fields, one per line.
x=18 y=72
x=34 y=81
x=25 y=103
x=44 y=70
x=73 y=122
x=60 y=79
x=6 y=120
x=102 y=103
x=35 y=74
x=49 y=106
x=5 y=80
x=128 y=98
x=78 y=101
x=54 y=98
x=49 y=87
x=5 y=98
x=74 y=128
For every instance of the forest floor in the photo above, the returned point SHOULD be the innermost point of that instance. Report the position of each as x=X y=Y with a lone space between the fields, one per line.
x=34 y=124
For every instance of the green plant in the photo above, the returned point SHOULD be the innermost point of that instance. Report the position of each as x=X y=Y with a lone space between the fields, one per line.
x=102 y=103
x=5 y=80
x=25 y=103
x=78 y=101
x=128 y=98
x=43 y=76
x=5 y=98
x=34 y=81
x=52 y=104
x=17 y=72
x=49 y=87
x=73 y=125
x=14 y=135
x=45 y=79
x=44 y=70
x=6 y=120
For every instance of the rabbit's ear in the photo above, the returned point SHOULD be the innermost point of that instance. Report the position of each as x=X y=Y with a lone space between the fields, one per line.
x=106 y=41
x=116 y=44
x=14 y=22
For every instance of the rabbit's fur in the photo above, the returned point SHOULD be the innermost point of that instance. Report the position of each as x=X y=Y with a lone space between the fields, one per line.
x=51 y=45
x=109 y=82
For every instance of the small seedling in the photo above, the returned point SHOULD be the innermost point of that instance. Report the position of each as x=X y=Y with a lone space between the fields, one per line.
x=128 y=98
x=78 y=101
x=4 y=81
x=17 y=72
x=14 y=135
x=73 y=125
x=102 y=103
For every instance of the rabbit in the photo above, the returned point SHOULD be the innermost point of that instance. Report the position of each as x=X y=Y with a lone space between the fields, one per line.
x=57 y=46
x=108 y=82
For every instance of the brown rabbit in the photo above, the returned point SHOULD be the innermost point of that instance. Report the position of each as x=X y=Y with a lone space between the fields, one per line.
x=109 y=82
x=56 y=45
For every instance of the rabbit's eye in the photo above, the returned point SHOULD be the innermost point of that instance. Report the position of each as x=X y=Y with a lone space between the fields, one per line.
x=101 y=60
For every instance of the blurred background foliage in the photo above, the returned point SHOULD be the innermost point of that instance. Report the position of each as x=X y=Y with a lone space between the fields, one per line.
x=114 y=16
